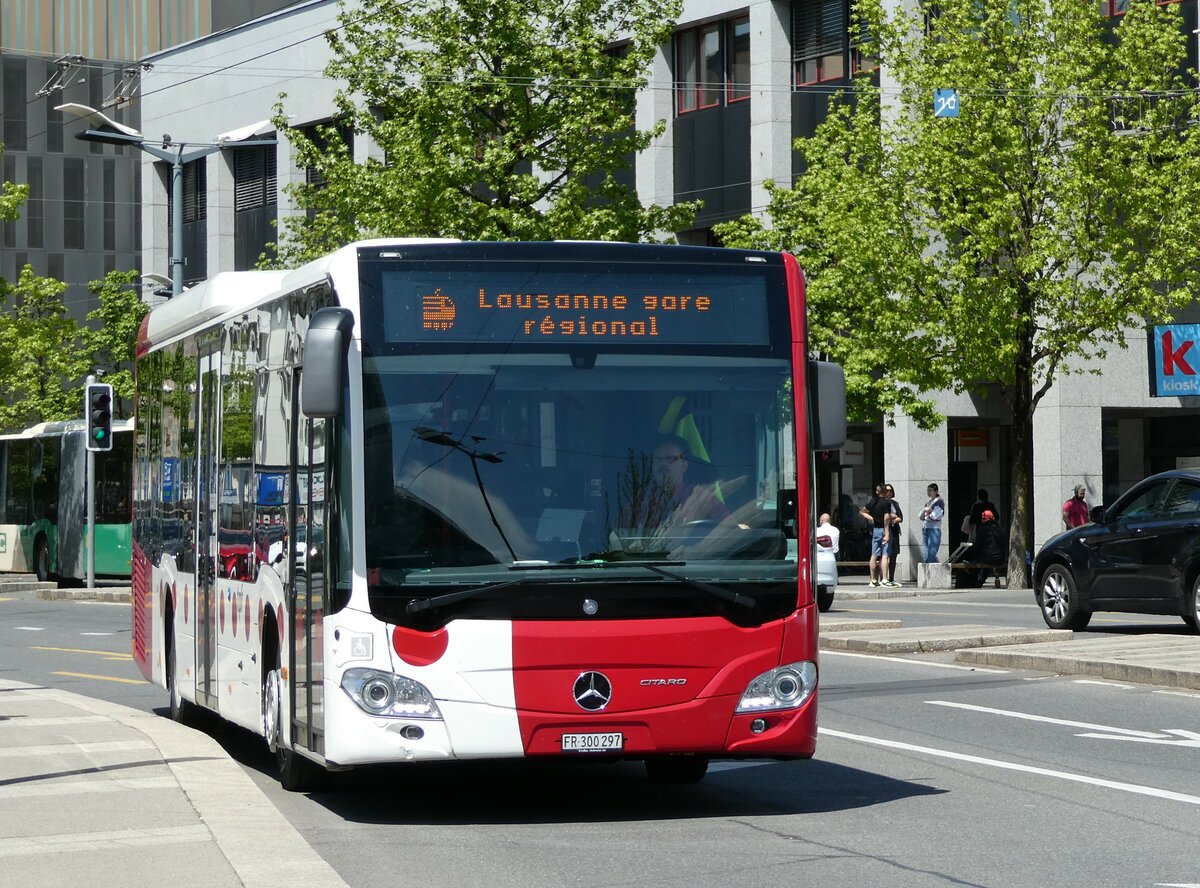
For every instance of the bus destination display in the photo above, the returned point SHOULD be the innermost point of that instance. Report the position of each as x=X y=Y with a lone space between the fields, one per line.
x=612 y=308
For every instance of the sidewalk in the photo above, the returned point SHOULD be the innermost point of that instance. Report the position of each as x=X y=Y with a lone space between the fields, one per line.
x=97 y=794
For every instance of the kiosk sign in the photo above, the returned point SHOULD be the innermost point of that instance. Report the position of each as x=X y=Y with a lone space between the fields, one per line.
x=1176 y=370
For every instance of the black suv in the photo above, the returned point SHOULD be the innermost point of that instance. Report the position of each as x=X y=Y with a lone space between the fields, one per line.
x=1139 y=555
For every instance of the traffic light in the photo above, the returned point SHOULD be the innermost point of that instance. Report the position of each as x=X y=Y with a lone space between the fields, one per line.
x=99 y=416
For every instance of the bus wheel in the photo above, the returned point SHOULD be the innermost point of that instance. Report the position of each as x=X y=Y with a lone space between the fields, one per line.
x=677 y=768
x=41 y=559
x=182 y=710
x=296 y=773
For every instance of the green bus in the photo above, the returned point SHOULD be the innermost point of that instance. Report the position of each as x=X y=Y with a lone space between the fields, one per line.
x=43 y=501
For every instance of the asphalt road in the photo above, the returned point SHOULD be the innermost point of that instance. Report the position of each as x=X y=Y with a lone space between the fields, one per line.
x=927 y=773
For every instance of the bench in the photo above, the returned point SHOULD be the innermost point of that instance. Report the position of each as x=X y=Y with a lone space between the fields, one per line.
x=999 y=571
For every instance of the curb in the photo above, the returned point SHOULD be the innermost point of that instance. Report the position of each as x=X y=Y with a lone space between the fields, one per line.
x=114 y=596
x=1163 y=660
x=937 y=638
x=238 y=815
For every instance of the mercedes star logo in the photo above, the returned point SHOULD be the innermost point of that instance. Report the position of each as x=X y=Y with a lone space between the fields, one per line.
x=592 y=691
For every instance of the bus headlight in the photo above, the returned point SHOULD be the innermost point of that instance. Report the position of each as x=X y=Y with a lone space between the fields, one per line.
x=389 y=695
x=787 y=687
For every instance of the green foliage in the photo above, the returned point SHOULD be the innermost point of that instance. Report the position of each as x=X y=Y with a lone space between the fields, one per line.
x=12 y=196
x=1017 y=241
x=496 y=119
x=111 y=346
x=38 y=354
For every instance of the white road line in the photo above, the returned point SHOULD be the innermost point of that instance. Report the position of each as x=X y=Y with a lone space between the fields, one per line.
x=1134 y=788
x=30 y=628
x=1008 y=713
x=1179 y=694
x=1104 y=684
x=97 y=633
x=914 y=662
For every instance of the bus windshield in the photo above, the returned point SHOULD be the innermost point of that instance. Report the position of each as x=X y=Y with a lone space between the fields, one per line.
x=481 y=466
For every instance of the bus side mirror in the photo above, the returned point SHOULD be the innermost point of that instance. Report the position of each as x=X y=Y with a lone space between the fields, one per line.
x=827 y=395
x=325 y=350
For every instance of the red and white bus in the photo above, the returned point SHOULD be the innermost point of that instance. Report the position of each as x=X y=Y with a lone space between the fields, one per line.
x=427 y=500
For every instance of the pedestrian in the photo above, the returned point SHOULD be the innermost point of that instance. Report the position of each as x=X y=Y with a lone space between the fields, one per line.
x=988 y=548
x=878 y=512
x=1075 y=511
x=894 y=537
x=982 y=504
x=827 y=531
x=932 y=514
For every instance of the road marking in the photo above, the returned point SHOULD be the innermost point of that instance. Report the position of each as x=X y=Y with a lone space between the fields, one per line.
x=30 y=628
x=117 y=654
x=1008 y=713
x=1179 y=694
x=916 y=662
x=1133 y=788
x=97 y=633
x=131 y=681
x=1181 y=738
x=1105 y=684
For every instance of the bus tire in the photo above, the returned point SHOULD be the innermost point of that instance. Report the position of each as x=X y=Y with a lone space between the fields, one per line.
x=296 y=773
x=676 y=768
x=41 y=559
x=182 y=711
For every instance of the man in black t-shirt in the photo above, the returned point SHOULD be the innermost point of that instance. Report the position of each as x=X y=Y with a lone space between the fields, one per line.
x=878 y=511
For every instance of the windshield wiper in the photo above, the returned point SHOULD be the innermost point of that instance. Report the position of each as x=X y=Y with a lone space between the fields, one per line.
x=658 y=567
x=423 y=605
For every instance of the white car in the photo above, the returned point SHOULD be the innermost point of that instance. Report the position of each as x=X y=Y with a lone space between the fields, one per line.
x=827 y=573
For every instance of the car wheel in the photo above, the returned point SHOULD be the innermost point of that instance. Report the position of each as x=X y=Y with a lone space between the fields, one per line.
x=677 y=768
x=824 y=598
x=1059 y=600
x=1191 y=615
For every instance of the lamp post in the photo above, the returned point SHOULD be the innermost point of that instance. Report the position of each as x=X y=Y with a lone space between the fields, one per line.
x=106 y=130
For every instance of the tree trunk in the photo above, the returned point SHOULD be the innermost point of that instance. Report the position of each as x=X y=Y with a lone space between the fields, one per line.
x=1021 y=494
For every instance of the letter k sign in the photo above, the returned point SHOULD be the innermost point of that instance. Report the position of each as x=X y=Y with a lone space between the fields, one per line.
x=1173 y=357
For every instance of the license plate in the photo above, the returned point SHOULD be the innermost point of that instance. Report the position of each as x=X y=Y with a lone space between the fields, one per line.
x=609 y=742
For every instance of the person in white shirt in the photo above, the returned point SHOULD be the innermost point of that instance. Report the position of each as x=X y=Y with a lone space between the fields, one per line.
x=825 y=529
x=931 y=527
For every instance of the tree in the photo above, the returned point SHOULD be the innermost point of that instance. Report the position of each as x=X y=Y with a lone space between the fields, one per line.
x=39 y=355
x=497 y=119
x=111 y=346
x=1014 y=243
x=12 y=196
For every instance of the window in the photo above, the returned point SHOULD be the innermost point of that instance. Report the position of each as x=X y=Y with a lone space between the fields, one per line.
x=1145 y=504
x=54 y=120
x=819 y=40
x=16 y=125
x=313 y=175
x=712 y=64
x=1184 y=499
x=110 y=205
x=35 y=209
x=254 y=177
x=74 y=194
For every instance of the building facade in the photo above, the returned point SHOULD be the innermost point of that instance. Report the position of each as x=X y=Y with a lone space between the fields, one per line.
x=83 y=217
x=737 y=85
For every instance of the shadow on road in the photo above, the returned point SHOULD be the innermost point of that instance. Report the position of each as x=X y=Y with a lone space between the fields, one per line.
x=575 y=791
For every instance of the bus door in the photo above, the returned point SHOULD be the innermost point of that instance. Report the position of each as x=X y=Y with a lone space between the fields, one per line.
x=308 y=576
x=208 y=500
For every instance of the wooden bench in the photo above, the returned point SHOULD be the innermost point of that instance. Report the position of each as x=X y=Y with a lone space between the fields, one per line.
x=999 y=571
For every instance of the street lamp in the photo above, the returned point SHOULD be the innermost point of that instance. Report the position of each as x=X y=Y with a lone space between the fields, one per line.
x=105 y=129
